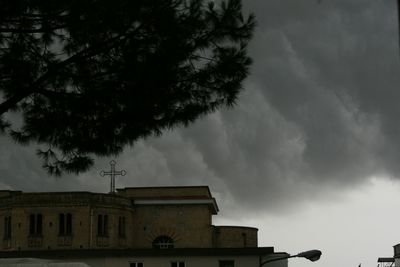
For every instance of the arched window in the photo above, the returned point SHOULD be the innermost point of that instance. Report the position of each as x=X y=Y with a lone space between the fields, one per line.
x=163 y=242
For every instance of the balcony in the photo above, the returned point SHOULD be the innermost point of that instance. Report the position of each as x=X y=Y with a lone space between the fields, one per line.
x=122 y=241
x=35 y=241
x=64 y=240
x=6 y=243
x=102 y=241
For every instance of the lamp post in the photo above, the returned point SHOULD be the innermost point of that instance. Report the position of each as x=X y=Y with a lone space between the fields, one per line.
x=312 y=255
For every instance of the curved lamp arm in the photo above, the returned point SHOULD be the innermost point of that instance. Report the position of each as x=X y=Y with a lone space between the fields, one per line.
x=312 y=255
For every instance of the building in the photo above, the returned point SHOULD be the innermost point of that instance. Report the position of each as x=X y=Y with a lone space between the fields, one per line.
x=134 y=227
x=396 y=255
x=385 y=262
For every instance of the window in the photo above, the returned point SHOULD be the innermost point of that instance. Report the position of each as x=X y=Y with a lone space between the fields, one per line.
x=177 y=264
x=61 y=224
x=35 y=224
x=65 y=224
x=121 y=226
x=102 y=225
x=136 y=264
x=163 y=242
x=7 y=227
x=68 y=229
x=227 y=263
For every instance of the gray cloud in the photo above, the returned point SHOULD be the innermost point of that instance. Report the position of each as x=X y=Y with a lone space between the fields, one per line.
x=319 y=114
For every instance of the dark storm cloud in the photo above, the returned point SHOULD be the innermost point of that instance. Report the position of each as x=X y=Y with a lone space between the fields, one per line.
x=320 y=110
x=333 y=69
x=318 y=115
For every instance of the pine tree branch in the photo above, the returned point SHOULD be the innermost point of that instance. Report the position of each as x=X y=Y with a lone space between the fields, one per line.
x=35 y=30
x=85 y=53
x=54 y=94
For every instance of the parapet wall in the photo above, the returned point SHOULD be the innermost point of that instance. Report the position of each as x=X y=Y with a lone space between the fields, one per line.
x=165 y=192
x=7 y=193
x=63 y=199
x=235 y=236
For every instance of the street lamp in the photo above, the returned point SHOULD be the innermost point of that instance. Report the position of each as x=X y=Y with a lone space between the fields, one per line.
x=312 y=255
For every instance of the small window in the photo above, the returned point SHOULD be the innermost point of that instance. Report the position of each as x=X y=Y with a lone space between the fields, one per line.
x=163 y=242
x=32 y=224
x=178 y=264
x=39 y=224
x=105 y=225
x=7 y=227
x=35 y=224
x=227 y=263
x=121 y=226
x=136 y=264
x=65 y=224
x=102 y=225
x=68 y=228
x=61 y=224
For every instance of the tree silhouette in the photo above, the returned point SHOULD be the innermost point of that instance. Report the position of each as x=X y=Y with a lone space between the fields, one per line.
x=89 y=77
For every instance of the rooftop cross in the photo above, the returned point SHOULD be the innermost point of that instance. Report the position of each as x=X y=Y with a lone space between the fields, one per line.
x=112 y=173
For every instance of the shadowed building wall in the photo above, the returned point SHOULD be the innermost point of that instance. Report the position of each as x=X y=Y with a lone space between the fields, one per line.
x=131 y=218
x=156 y=226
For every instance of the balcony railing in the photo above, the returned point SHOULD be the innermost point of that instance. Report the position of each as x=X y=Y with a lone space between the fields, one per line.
x=122 y=241
x=35 y=241
x=64 y=240
x=102 y=241
x=6 y=243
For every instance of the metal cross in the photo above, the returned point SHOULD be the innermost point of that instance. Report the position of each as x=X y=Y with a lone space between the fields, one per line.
x=112 y=173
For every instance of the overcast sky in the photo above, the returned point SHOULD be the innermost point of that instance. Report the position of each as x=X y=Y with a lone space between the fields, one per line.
x=310 y=153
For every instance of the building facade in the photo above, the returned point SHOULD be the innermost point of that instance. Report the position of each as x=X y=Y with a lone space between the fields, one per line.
x=396 y=254
x=152 y=226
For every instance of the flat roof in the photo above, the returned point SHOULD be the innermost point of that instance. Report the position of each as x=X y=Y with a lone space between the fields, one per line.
x=170 y=195
x=165 y=191
x=386 y=259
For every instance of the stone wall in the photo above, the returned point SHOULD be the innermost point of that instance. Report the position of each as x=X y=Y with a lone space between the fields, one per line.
x=186 y=221
x=235 y=236
x=187 y=225
x=7 y=193
x=64 y=198
x=84 y=208
x=160 y=192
